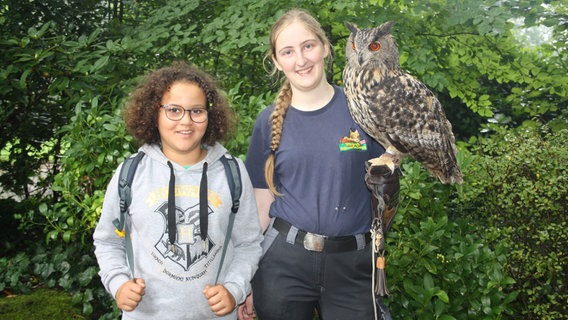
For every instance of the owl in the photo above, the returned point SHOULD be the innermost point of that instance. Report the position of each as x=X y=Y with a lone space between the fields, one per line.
x=395 y=108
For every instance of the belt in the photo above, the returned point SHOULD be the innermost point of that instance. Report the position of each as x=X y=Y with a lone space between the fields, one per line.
x=315 y=242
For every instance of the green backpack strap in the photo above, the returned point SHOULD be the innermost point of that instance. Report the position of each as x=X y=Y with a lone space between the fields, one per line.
x=125 y=194
x=235 y=185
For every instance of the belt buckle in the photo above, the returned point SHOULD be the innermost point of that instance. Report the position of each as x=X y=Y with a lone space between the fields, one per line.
x=314 y=242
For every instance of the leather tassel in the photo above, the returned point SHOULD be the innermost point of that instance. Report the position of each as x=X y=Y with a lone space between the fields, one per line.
x=381 y=287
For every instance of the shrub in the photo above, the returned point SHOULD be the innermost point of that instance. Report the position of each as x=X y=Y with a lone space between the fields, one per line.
x=518 y=192
x=438 y=267
x=70 y=268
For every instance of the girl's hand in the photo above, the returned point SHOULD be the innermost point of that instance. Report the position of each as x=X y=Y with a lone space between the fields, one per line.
x=129 y=295
x=220 y=300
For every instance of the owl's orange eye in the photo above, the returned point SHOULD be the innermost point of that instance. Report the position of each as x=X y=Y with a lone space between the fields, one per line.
x=375 y=46
x=353 y=45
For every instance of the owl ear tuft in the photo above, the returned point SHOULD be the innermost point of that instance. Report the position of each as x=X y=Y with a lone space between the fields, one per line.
x=386 y=27
x=351 y=26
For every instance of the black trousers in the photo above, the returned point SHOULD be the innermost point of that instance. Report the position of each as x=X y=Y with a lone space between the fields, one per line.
x=291 y=282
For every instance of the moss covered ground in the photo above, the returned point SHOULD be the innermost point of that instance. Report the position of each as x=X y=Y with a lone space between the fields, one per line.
x=39 y=304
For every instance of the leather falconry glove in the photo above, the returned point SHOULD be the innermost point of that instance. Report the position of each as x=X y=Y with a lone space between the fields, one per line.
x=385 y=187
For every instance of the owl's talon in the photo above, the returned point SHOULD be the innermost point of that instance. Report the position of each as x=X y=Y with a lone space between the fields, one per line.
x=386 y=159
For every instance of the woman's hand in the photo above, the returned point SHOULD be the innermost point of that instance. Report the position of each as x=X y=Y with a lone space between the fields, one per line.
x=246 y=310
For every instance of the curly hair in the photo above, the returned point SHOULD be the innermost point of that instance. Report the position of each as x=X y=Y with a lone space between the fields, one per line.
x=143 y=106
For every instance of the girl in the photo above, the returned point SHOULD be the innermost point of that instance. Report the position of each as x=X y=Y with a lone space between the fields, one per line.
x=179 y=115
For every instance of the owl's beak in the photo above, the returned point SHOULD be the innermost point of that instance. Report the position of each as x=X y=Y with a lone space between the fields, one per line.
x=360 y=59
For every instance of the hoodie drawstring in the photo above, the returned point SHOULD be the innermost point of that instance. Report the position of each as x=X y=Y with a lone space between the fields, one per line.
x=172 y=206
x=203 y=208
x=203 y=205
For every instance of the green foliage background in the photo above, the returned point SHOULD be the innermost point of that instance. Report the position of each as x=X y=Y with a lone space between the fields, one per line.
x=491 y=248
x=520 y=196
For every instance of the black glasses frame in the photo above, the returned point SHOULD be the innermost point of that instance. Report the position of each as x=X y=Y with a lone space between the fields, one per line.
x=191 y=113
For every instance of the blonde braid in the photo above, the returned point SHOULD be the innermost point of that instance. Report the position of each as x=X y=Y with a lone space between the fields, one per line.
x=282 y=103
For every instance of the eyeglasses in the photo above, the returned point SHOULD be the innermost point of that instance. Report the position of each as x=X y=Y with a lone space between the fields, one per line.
x=176 y=113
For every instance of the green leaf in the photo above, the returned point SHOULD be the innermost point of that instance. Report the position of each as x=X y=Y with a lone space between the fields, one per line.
x=99 y=64
x=52 y=235
x=428 y=281
x=443 y=296
x=67 y=236
x=23 y=78
x=431 y=267
x=43 y=209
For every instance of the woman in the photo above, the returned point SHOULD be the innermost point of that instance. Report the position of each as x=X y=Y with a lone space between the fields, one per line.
x=179 y=115
x=306 y=161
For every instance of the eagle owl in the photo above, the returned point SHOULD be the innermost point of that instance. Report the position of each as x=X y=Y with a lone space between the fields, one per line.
x=395 y=108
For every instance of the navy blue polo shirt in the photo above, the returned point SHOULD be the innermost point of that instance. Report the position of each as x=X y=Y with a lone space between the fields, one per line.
x=319 y=168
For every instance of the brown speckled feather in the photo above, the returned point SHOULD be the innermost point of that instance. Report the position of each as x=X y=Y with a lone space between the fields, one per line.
x=395 y=108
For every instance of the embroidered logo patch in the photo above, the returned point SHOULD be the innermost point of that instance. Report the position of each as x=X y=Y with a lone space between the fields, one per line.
x=352 y=142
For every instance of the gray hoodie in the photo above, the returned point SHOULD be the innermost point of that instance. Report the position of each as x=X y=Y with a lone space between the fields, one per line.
x=176 y=276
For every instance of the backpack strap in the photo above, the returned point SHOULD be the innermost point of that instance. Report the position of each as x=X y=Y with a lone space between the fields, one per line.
x=235 y=184
x=234 y=178
x=125 y=194
x=126 y=176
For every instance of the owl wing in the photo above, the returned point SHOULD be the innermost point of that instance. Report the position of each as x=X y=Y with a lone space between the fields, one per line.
x=414 y=122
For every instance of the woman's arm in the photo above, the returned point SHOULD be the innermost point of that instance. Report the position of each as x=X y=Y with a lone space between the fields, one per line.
x=264 y=199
